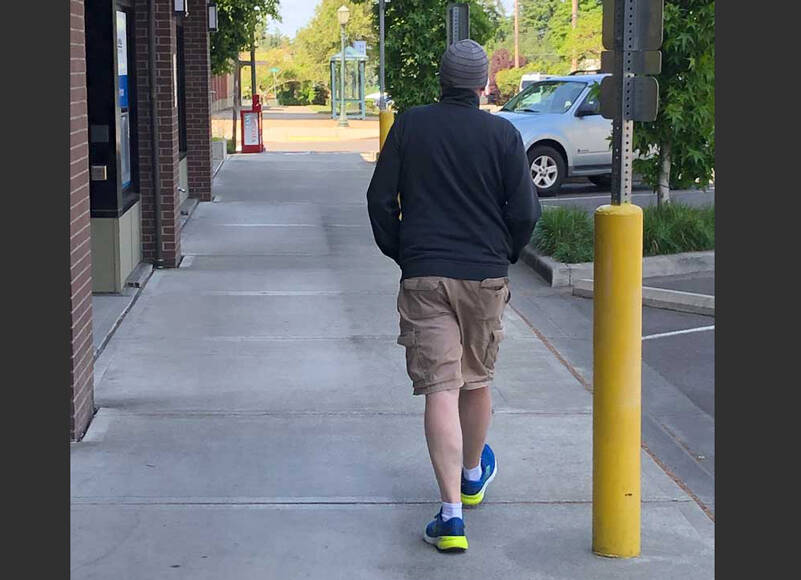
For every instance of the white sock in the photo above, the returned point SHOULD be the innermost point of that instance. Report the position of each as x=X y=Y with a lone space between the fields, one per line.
x=473 y=474
x=451 y=510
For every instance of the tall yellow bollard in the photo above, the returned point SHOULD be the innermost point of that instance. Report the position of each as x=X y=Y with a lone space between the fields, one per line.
x=617 y=358
x=385 y=120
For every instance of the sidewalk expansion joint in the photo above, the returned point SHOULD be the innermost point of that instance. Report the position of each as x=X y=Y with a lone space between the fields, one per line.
x=316 y=501
x=178 y=413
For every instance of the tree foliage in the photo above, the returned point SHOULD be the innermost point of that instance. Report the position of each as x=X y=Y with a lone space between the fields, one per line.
x=685 y=125
x=318 y=41
x=236 y=22
x=416 y=37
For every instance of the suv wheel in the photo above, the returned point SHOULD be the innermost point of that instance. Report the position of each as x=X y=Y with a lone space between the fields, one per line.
x=548 y=169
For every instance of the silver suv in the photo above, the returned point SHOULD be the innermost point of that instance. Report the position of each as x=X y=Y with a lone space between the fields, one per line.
x=563 y=131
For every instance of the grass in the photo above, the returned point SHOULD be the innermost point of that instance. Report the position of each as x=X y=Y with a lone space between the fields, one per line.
x=678 y=228
x=566 y=233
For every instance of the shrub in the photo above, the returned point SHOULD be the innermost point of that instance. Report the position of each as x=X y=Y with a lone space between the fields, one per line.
x=565 y=234
x=676 y=227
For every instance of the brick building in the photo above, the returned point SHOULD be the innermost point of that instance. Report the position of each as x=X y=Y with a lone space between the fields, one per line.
x=136 y=155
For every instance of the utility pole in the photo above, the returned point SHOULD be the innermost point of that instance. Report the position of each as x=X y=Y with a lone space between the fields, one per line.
x=382 y=104
x=237 y=104
x=573 y=21
x=517 y=35
x=253 y=89
x=385 y=116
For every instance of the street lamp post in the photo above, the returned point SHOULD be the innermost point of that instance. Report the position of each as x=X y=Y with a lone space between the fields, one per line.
x=343 y=14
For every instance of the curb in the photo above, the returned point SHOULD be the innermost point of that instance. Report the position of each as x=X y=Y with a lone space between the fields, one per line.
x=661 y=298
x=556 y=273
x=134 y=284
x=559 y=274
x=187 y=209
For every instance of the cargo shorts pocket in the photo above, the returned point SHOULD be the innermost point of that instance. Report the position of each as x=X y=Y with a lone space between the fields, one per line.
x=493 y=296
x=495 y=338
x=408 y=339
x=421 y=298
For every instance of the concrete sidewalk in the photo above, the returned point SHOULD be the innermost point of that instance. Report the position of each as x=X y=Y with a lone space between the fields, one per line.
x=256 y=421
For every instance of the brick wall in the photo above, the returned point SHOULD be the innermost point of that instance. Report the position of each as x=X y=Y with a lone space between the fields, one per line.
x=198 y=100
x=81 y=384
x=167 y=115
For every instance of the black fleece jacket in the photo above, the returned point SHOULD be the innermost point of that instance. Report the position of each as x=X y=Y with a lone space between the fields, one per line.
x=467 y=202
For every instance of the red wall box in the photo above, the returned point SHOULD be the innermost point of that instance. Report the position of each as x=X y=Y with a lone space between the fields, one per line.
x=252 y=141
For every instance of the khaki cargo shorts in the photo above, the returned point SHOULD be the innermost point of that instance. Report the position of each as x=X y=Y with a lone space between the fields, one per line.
x=451 y=330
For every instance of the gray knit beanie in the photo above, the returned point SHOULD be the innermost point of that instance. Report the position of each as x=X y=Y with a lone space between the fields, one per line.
x=464 y=65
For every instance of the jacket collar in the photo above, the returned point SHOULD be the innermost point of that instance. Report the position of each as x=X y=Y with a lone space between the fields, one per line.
x=463 y=97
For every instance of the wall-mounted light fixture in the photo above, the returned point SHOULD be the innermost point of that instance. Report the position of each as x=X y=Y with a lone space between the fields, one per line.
x=181 y=7
x=213 y=16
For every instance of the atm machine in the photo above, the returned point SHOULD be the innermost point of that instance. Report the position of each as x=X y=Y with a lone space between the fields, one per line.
x=111 y=104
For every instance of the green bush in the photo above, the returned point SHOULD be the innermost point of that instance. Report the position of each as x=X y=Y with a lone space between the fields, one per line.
x=566 y=233
x=302 y=93
x=676 y=228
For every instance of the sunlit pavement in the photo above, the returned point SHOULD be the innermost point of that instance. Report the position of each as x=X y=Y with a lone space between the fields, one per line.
x=256 y=420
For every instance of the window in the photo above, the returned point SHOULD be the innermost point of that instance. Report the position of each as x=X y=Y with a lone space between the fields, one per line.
x=592 y=102
x=546 y=97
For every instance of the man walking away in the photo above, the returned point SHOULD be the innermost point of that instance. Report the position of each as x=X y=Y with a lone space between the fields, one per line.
x=452 y=202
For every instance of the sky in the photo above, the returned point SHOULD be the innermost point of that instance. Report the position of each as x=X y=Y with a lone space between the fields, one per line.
x=297 y=13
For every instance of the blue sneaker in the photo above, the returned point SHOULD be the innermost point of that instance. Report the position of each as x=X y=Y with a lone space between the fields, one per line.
x=446 y=536
x=473 y=491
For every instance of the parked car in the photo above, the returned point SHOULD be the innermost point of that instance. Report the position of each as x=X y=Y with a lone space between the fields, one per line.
x=559 y=119
x=530 y=78
x=375 y=97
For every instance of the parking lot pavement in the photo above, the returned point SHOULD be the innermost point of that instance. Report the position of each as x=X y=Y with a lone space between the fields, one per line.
x=677 y=371
x=701 y=283
x=579 y=192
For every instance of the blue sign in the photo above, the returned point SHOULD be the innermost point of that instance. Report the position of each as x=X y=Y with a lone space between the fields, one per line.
x=122 y=58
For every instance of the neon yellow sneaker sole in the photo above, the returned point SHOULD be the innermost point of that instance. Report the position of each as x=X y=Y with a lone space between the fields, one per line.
x=473 y=500
x=448 y=543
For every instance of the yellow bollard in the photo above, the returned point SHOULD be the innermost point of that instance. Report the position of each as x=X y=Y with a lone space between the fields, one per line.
x=617 y=357
x=385 y=120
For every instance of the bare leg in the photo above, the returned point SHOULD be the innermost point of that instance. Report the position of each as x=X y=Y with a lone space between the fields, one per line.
x=444 y=438
x=475 y=411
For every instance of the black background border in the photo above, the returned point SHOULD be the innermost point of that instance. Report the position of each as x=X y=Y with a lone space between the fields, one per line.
x=756 y=234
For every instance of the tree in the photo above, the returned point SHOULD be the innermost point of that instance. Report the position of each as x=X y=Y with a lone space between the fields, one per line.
x=582 y=42
x=548 y=39
x=684 y=130
x=318 y=41
x=237 y=21
x=416 y=37
x=535 y=16
x=500 y=60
